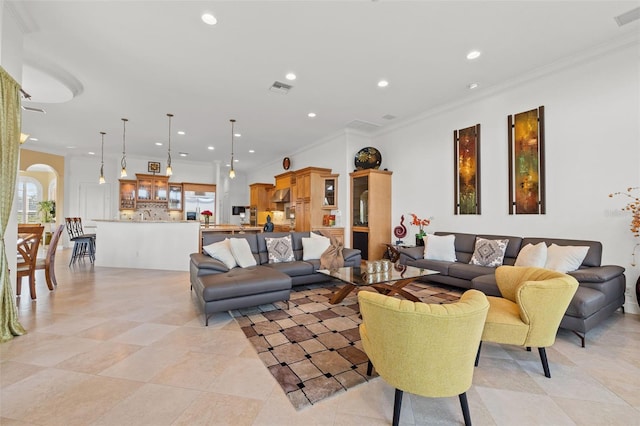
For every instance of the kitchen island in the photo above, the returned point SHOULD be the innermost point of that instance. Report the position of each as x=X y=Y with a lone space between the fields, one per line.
x=146 y=244
x=231 y=229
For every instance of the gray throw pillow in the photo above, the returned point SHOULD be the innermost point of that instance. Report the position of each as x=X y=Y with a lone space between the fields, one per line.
x=489 y=252
x=280 y=249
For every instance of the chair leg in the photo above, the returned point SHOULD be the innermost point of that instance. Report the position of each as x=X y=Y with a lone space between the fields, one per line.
x=47 y=276
x=19 y=286
x=465 y=408
x=369 y=368
x=545 y=364
x=32 y=284
x=397 y=405
x=478 y=354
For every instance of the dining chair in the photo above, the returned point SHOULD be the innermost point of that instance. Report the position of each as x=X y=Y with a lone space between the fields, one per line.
x=48 y=263
x=83 y=244
x=28 y=244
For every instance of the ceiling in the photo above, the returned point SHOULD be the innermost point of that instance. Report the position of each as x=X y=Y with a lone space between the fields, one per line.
x=89 y=64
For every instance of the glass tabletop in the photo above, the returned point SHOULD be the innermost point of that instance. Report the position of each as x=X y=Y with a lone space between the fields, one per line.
x=360 y=276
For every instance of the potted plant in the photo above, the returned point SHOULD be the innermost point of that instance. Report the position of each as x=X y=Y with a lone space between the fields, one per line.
x=47 y=211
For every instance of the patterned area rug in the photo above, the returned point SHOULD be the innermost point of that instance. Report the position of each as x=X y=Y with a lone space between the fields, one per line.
x=313 y=349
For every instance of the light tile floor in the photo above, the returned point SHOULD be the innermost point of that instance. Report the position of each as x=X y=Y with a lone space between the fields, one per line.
x=128 y=347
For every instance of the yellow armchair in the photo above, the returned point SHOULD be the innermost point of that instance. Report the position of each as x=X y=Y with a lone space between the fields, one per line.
x=530 y=310
x=423 y=349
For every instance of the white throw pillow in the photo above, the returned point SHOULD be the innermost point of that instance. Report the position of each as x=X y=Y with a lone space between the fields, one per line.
x=314 y=235
x=312 y=247
x=242 y=252
x=440 y=247
x=565 y=258
x=221 y=251
x=532 y=255
x=488 y=252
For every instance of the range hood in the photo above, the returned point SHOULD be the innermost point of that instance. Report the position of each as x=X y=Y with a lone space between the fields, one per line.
x=281 y=196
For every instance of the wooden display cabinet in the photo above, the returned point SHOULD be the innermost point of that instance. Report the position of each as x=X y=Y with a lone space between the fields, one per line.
x=371 y=212
x=128 y=191
x=330 y=188
x=175 y=197
x=152 y=188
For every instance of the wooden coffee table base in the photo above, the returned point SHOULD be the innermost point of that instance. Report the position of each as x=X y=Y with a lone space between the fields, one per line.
x=382 y=288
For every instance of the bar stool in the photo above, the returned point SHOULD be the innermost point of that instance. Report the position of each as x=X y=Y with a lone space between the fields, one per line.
x=83 y=244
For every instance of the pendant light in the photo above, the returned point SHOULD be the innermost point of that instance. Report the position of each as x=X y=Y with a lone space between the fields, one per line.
x=232 y=173
x=123 y=162
x=101 y=180
x=169 y=170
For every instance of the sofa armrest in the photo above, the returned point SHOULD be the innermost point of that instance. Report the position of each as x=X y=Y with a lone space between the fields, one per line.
x=413 y=253
x=597 y=274
x=350 y=253
x=203 y=261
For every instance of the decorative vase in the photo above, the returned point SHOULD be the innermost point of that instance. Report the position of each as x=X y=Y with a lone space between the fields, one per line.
x=206 y=221
x=419 y=240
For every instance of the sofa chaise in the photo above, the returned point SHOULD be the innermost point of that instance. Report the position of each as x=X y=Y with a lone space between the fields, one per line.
x=220 y=288
x=601 y=288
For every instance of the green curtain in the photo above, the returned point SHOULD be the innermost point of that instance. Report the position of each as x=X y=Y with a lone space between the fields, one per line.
x=9 y=150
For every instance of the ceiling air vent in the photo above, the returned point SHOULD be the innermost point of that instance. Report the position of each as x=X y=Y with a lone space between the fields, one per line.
x=363 y=126
x=630 y=16
x=280 y=87
x=40 y=110
x=389 y=117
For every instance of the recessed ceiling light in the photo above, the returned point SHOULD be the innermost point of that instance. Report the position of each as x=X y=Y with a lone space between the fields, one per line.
x=183 y=154
x=311 y=115
x=237 y=135
x=383 y=83
x=472 y=85
x=181 y=132
x=158 y=143
x=290 y=76
x=209 y=19
x=236 y=160
x=251 y=151
x=473 y=54
x=33 y=139
x=71 y=147
x=91 y=153
x=210 y=148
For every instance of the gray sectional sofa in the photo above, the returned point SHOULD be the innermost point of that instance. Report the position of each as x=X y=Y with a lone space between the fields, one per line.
x=219 y=288
x=601 y=290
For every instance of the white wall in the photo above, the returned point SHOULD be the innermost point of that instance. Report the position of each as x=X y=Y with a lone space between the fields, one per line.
x=592 y=117
x=592 y=149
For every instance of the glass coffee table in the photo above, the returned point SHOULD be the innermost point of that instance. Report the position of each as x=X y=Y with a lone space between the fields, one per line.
x=388 y=282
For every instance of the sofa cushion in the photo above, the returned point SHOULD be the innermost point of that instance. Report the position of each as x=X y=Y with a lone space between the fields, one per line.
x=486 y=284
x=440 y=247
x=242 y=252
x=532 y=255
x=594 y=255
x=565 y=258
x=435 y=265
x=240 y=282
x=585 y=302
x=467 y=271
x=489 y=252
x=280 y=249
x=221 y=251
x=293 y=269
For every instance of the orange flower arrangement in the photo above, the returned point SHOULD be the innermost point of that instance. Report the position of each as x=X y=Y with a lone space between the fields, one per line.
x=420 y=223
x=634 y=207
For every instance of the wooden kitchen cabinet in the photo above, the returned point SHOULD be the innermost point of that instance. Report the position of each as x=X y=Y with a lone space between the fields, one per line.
x=309 y=192
x=152 y=188
x=128 y=190
x=260 y=198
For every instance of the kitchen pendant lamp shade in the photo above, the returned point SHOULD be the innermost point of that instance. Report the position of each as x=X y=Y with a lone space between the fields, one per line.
x=123 y=162
x=101 y=180
x=232 y=172
x=169 y=169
